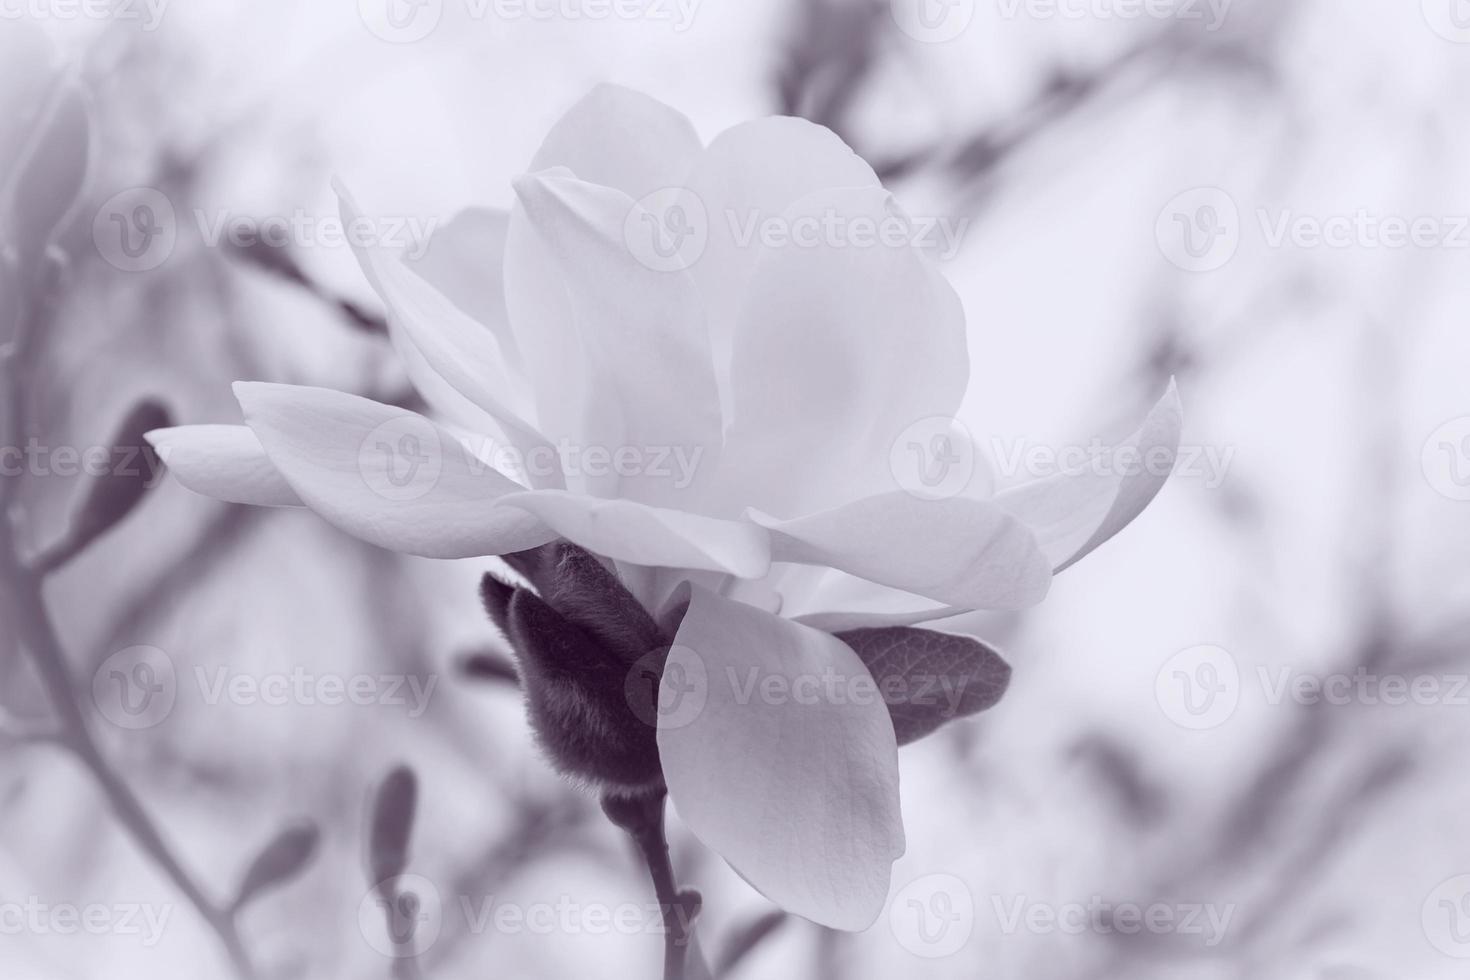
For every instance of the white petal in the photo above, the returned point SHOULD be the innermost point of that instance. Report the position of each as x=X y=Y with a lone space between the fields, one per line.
x=750 y=173
x=797 y=791
x=442 y=346
x=1073 y=514
x=655 y=393
x=957 y=551
x=841 y=346
x=620 y=139
x=833 y=601
x=646 y=535
x=465 y=261
x=388 y=476
x=223 y=461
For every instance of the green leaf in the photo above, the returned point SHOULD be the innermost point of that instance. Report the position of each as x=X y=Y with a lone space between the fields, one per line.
x=929 y=678
x=286 y=856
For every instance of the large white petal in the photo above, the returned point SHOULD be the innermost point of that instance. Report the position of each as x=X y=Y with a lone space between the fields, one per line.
x=841 y=347
x=465 y=261
x=614 y=137
x=620 y=138
x=957 y=551
x=1071 y=514
x=443 y=347
x=385 y=475
x=797 y=789
x=223 y=461
x=655 y=395
x=751 y=173
x=652 y=536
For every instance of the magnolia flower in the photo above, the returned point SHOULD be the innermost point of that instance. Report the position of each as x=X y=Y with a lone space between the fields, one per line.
x=721 y=424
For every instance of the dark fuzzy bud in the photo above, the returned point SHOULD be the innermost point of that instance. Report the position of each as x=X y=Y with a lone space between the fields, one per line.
x=577 y=585
x=495 y=596
x=576 y=696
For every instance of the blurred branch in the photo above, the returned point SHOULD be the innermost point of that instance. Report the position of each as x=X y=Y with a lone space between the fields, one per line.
x=26 y=609
x=743 y=940
x=279 y=262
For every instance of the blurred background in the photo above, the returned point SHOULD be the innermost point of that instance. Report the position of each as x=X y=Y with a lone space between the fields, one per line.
x=1233 y=747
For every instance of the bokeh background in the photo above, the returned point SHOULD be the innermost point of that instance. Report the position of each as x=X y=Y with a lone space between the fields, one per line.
x=1122 y=170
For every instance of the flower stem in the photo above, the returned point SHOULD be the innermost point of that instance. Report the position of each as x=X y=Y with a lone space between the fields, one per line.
x=642 y=818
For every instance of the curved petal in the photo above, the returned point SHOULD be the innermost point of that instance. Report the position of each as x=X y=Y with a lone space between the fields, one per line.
x=624 y=139
x=388 y=476
x=752 y=173
x=593 y=141
x=222 y=461
x=655 y=393
x=443 y=347
x=465 y=261
x=842 y=345
x=1073 y=514
x=789 y=768
x=958 y=551
x=647 y=535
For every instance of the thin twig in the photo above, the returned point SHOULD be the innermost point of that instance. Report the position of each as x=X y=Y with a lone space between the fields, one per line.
x=21 y=595
x=26 y=609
